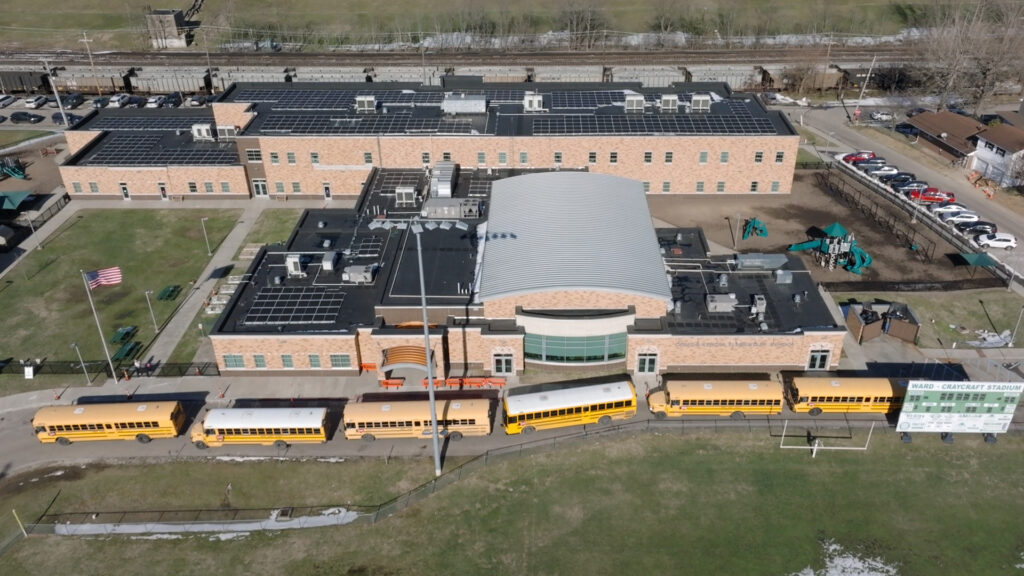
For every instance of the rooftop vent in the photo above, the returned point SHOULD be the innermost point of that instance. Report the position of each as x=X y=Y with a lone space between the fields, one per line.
x=670 y=103
x=202 y=133
x=720 y=303
x=327 y=264
x=366 y=103
x=783 y=276
x=635 y=103
x=759 y=304
x=464 y=104
x=700 y=103
x=359 y=274
x=533 y=102
x=293 y=264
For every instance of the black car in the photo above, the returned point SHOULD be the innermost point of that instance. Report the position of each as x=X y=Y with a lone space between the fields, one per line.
x=59 y=120
x=975 y=228
x=899 y=176
x=72 y=101
x=100 y=102
x=915 y=111
x=135 y=102
x=23 y=117
x=958 y=110
x=172 y=100
x=861 y=162
x=912 y=185
x=906 y=129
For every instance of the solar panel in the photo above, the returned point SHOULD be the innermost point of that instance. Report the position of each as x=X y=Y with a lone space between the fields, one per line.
x=295 y=305
x=154 y=123
x=586 y=100
x=134 y=149
x=334 y=99
x=651 y=124
x=367 y=247
x=397 y=123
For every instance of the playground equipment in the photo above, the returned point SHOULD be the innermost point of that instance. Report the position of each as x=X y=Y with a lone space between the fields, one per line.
x=838 y=247
x=754 y=227
x=12 y=167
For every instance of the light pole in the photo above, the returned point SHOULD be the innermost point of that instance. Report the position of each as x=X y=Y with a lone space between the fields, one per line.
x=1015 y=327
x=156 y=327
x=828 y=140
x=202 y=222
x=417 y=229
x=53 y=88
x=81 y=363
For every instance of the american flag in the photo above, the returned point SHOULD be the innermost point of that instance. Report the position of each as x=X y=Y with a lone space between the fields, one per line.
x=104 y=277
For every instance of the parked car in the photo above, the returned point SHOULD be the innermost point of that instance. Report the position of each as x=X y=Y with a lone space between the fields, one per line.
x=135 y=102
x=72 y=119
x=859 y=155
x=25 y=117
x=958 y=110
x=35 y=102
x=118 y=101
x=915 y=111
x=931 y=195
x=2 y=119
x=172 y=100
x=900 y=181
x=155 y=101
x=51 y=101
x=948 y=208
x=997 y=240
x=908 y=176
x=6 y=100
x=197 y=100
x=960 y=218
x=882 y=116
x=975 y=228
x=865 y=165
x=882 y=171
x=72 y=101
x=906 y=129
x=100 y=102
x=910 y=186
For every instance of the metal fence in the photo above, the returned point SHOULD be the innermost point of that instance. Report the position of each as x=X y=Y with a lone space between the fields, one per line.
x=96 y=368
x=45 y=216
x=179 y=369
x=813 y=165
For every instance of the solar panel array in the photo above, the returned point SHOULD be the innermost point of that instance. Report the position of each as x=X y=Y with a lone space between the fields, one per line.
x=279 y=305
x=644 y=124
x=153 y=123
x=586 y=100
x=367 y=247
x=334 y=99
x=127 y=149
x=362 y=124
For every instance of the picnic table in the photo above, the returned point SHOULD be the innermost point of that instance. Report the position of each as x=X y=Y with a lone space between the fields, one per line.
x=170 y=292
x=127 y=351
x=123 y=334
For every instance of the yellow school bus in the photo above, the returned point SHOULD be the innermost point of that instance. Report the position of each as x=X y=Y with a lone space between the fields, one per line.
x=278 y=427
x=819 y=395
x=411 y=419
x=140 y=421
x=558 y=407
x=734 y=398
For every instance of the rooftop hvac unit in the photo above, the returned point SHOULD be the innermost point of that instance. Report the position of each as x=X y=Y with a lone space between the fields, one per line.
x=464 y=104
x=635 y=103
x=293 y=264
x=700 y=103
x=445 y=179
x=533 y=102
x=723 y=281
x=327 y=264
x=202 y=133
x=226 y=132
x=759 y=261
x=669 y=102
x=760 y=304
x=359 y=274
x=720 y=303
x=783 y=276
x=366 y=103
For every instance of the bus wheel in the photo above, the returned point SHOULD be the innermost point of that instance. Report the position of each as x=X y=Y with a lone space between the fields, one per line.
x=528 y=429
x=737 y=415
x=143 y=438
x=63 y=441
x=200 y=444
x=280 y=444
x=815 y=412
x=660 y=415
x=368 y=438
x=604 y=420
x=455 y=435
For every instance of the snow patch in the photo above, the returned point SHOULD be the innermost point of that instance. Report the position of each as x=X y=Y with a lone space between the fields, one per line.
x=332 y=460
x=158 y=537
x=1021 y=565
x=228 y=536
x=838 y=562
x=54 y=473
x=246 y=458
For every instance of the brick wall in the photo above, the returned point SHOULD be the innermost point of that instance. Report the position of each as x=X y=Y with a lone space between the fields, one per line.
x=782 y=351
x=272 y=347
x=469 y=346
x=143 y=182
x=575 y=300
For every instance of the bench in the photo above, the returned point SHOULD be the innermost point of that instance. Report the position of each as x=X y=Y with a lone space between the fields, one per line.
x=392 y=383
x=438 y=383
x=127 y=351
x=124 y=334
x=170 y=292
x=473 y=382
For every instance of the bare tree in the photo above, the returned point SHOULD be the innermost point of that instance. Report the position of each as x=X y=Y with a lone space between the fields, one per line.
x=583 y=22
x=999 y=54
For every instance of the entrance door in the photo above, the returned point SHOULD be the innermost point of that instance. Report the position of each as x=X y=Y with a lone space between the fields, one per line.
x=327 y=190
x=259 y=188
x=124 y=191
x=163 y=190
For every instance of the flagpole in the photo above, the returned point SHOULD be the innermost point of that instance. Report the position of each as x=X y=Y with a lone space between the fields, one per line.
x=88 y=292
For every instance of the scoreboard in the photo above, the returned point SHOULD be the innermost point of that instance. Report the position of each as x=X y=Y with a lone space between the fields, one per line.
x=938 y=406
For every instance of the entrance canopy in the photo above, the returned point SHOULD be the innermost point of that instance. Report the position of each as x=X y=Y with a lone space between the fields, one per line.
x=404 y=357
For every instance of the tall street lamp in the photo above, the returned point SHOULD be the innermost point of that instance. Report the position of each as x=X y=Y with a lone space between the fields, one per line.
x=202 y=222
x=1016 y=326
x=156 y=327
x=81 y=363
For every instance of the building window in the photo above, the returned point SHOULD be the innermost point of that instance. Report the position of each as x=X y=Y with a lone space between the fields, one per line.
x=208 y=187
x=234 y=361
x=367 y=157
x=758 y=157
x=558 y=157
x=779 y=157
x=818 y=360
x=279 y=187
x=668 y=157
x=753 y=186
x=314 y=158
x=425 y=157
x=523 y=158
x=647 y=187
x=259 y=360
x=340 y=361
x=775 y=185
x=314 y=360
x=592 y=158
x=575 y=349
x=666 y=187
x=990 y=146
x=446 y=156
x=613 y=157
x=720 y=187
x=192 y=188
x=274 y=158
x=502 y=158
x=646 y=363
x=286 y=361
x=700 y=186
x=296 y=188
x=481 y=158
x=1000 y=152
x=77 y=187
x=503 y=364
x=94 y=188
x=253 y=155
x=291 y=158
x=723 y=157
x=225 y=188
x=703 y=158
x=648 y=157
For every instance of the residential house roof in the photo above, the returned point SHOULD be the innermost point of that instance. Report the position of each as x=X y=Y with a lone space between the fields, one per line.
x=1009 y=138
x=958 y=129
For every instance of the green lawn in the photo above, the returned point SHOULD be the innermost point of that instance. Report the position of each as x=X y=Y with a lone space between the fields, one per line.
x=726 y=503
x=12 y=137
x=274 y=225
x=46 y=307
x=994 y=310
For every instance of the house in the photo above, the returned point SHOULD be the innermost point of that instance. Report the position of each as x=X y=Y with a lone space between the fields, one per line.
x=1000 y=149
x=952 y=135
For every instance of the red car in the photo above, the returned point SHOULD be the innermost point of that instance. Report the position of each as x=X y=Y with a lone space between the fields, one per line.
x=859 y=155
x=931 y=195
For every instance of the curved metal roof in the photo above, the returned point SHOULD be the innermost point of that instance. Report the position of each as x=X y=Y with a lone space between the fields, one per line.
x=571 y=231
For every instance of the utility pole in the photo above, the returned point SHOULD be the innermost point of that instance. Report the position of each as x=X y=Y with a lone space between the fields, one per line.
x=92 y=67
x=209 y=67
x=864 y=86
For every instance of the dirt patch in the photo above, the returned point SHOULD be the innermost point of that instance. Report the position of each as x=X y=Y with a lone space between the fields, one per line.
x=43 y=476
x=790 y=217
x=41 y=171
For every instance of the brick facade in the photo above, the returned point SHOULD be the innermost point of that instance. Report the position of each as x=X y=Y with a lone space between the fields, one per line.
x=143 y=182
x=575 y=300
x=740 y=351
x=273 y=347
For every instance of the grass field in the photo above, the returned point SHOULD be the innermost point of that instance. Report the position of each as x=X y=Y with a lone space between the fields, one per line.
x=994 y=310
x=44 y=298
x=274 y=225
x=726 y=503
x=12 y=137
